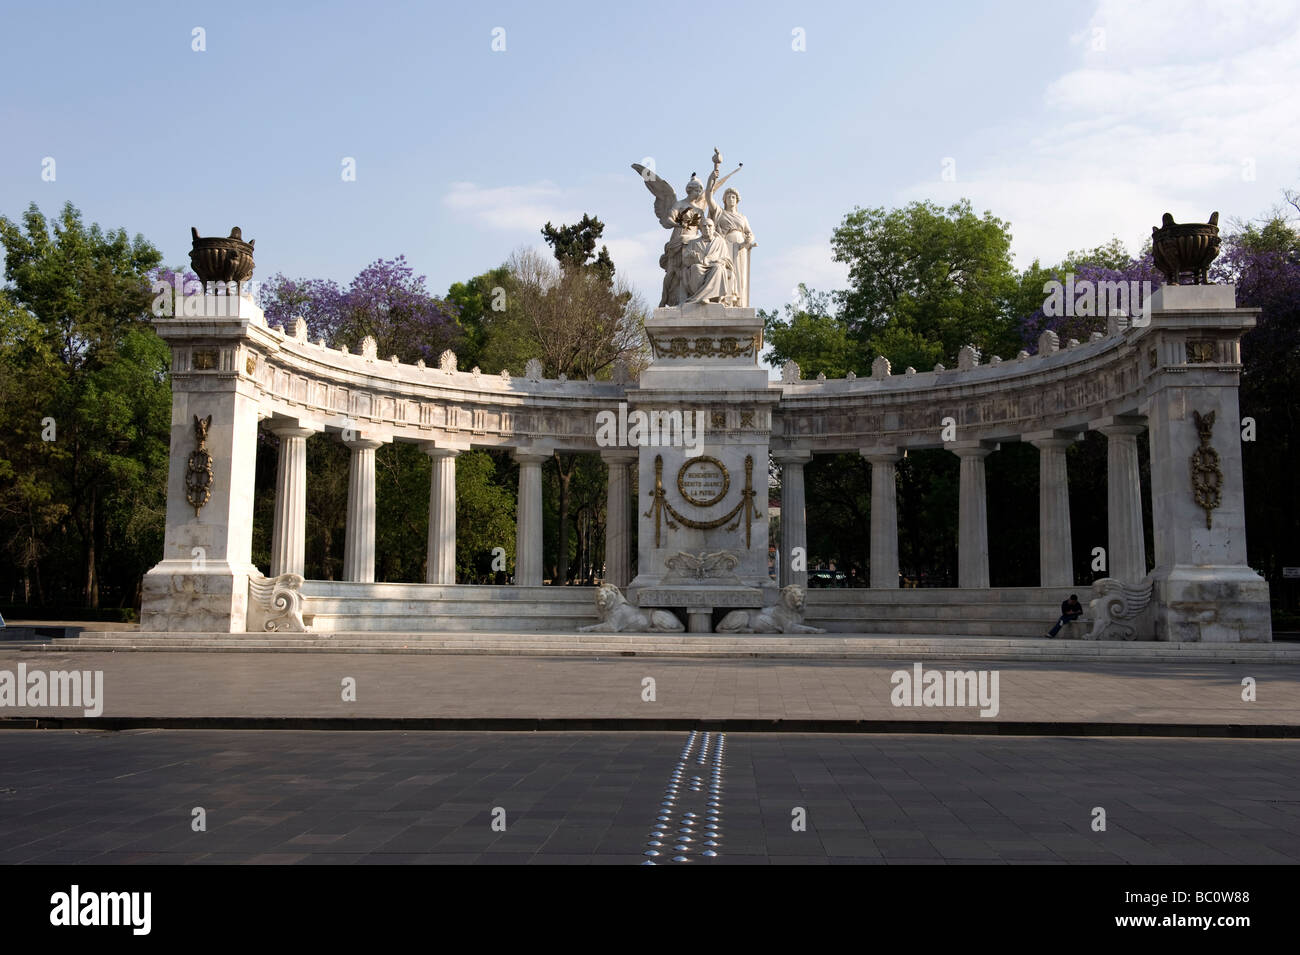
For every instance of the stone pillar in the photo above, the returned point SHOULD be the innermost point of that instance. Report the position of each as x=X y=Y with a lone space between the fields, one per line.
x=973 y=520
x=528 y=520
x=441 y=555
x=359 y=550
x=618 y=562
x=201 y=583
x=1126 y=555
x=1055 y=545
x=1204 y=588
x=794 y=526
x=884 y=516
x=288 y=536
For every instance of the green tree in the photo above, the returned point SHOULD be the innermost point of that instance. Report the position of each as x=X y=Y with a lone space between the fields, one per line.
x=480 y=303
x=810 y=335
x=85 y=422
x=926 y=275
x=485 y=515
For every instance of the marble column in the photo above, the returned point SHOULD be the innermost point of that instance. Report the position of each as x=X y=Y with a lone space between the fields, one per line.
x=528 y=519
x=794 y=517
x=1055 y=545
x=289 y=531
x=1126 y=547
x=973 y=519
x=359 y=549
x=441 y=554
x=884 y=516
x=618 y=536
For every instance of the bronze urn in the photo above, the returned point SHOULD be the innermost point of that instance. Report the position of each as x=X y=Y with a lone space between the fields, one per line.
x=1184 y=252
x=215 y=259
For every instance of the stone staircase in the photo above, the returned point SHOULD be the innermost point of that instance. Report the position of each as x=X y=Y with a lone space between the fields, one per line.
x=1000 y=612
x=337 y=606
x=342 y=607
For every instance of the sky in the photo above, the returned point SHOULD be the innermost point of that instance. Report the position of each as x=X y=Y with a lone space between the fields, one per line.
x=469 y=126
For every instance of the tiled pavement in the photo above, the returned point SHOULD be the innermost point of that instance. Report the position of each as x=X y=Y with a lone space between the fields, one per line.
x=324 y=797
x=197 y=685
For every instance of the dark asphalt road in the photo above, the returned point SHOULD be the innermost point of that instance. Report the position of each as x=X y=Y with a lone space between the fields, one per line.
x=390 y=797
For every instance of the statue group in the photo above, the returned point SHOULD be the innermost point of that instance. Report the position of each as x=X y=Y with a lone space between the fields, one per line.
x=706 y=259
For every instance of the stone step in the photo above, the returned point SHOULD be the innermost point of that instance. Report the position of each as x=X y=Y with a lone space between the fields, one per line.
x=441 y=620
x=931 y=611
x=949 y=596
x=426 y=592
x=967 y=628
x=707 y=645
x=345 y=605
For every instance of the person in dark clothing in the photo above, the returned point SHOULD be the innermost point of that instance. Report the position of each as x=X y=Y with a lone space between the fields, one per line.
x=1071 y=610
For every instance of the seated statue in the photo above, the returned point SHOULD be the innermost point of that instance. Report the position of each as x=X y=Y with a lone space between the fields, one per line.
x=785 y=616
x=710 y=267
x=619 y=616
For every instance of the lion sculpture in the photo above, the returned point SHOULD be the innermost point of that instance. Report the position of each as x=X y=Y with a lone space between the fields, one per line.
x=618 y=616
x=785 y=616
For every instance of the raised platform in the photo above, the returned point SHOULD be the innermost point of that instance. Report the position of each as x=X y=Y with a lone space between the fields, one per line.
x=808 y=647
x=344 y=607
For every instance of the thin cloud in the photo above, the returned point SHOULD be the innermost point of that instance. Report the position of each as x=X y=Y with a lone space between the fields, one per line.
x=510 y=208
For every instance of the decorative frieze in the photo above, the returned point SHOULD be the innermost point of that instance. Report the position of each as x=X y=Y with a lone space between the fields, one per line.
x=727 y=346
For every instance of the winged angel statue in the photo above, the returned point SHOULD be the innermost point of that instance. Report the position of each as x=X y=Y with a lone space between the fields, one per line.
x=706 y=259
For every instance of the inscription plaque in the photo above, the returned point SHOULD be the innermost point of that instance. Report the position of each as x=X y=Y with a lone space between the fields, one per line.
x=703 y=481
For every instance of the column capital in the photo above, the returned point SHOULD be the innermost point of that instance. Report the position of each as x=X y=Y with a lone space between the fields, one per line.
x=882 y=455
x=616 y=456
x=289 y=431
x=1120 y=425
x=438 y=451
x=362 y=442
x=1043 y=440
x=294 y=427
x=531 y=455
x=972 y=449
x=792 y=456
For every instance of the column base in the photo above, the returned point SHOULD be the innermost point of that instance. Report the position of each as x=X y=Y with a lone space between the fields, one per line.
x=1211 y=605
x=699 y=620
x=177 y=598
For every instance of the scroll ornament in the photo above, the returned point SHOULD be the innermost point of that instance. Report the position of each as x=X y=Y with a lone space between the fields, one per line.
x=275 y=604
x=1117 y=609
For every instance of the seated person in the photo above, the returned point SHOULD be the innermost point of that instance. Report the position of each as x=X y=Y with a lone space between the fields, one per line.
x=1071 y=610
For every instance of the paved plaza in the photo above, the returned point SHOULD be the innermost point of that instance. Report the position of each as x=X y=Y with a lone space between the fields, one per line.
x=211 y=687
x=388 y=797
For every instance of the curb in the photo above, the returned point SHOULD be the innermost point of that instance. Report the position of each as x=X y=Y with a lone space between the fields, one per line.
x=544 y=725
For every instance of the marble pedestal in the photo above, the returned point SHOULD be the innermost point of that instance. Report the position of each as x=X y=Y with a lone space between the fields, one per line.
x=708 y=494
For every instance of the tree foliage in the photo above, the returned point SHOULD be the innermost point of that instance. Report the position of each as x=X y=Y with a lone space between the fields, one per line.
x=84 y=411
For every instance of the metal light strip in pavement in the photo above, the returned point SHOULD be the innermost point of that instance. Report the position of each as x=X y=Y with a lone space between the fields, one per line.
x=699 y=830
